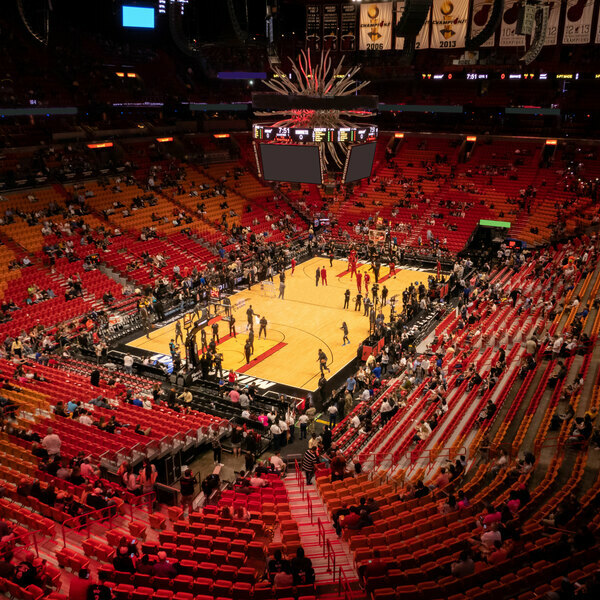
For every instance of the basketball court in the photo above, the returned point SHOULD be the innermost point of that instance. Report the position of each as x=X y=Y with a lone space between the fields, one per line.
x=308 y=318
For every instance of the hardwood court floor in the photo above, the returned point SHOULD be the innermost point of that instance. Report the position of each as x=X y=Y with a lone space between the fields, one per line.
x=309 y=318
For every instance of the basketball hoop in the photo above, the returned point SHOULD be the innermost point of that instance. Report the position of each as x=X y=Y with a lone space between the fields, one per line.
x=268 y=288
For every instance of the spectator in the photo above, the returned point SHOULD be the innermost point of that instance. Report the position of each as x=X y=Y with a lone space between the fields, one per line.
x=283 y=579
x=124 y=560
x=278 y=463
x=277 y=564
x=163 y=568
x=51 y=443
x=79 y=585
x=309 y=460
x=187 y=486
x=144 y=566
x=302 y=569
x=464 y=566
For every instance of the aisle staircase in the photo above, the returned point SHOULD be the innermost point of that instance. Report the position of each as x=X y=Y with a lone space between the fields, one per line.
x=331 y=556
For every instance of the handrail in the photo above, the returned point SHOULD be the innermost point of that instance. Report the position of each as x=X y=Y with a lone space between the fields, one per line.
x=330 y=558
x=84 y=521
x=299 y=478
x=343 y=585
x=9 y=545
x=321 y=534
x=137 y=500
x=309 y=506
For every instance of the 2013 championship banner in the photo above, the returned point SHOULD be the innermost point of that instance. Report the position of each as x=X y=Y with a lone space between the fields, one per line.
x=449 y=23
x=376 y=26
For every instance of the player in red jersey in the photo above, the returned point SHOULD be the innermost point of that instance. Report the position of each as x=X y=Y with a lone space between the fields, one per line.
x=293 y=265
x=392 y=269
x=358 y=280
x=367 y=280
x=323 y=276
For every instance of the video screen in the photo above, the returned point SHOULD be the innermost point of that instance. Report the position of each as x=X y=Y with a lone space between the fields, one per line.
x=359 y=162
x=138 y=16
x=296 y=164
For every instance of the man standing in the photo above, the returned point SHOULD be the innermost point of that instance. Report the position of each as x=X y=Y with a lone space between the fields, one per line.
x=250 y=315
x=375 y=291
x=317 y=276
x=392 y=269
x=247 y=351
x=303 y=421
x=346 y=298
x=309 y=460
x=178 y=332
x=251 y=339
x=215 y=332
x=384 y=295
x=51 y=443
x=323 y=276
x=332 y=411
x=263 y=327
x=232 y=326
x=359 y=281
x=281 y=288
x=128 y=363
x=293 y=265
x=367 y=280
x=357 y=302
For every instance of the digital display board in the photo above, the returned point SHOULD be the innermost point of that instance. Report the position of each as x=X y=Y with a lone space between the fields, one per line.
x=138 y=16
x=345 y=135
x=291 y=162
x=359 y=162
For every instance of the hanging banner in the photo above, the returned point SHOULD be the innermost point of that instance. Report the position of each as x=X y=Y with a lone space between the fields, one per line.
x=508 y=33
x=449 y=23
x=482 y=11
x=376 y=26
x=348 y=28
x=578 y=22
x=330 y=26
x=553 y=20
x=313 y=27
x=422 y=40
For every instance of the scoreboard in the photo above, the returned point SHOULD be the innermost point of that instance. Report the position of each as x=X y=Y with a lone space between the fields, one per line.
x=299 y=135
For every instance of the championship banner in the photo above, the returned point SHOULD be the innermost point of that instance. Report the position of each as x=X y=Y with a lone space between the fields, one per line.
x=482 y=11
x=553 y=21
x=313 y=26
x=422 y=40
x=376 y=26
x=508 y=33
x=330 y=26
x=348 y=27
x=449 y=23
x=578 y=22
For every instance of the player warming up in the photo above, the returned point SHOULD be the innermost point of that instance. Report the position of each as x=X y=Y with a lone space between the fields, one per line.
x=323 y=276
x=293 y=265
x=359 y=281
x=322 y=360
x=263 y=327
x=344 y=328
